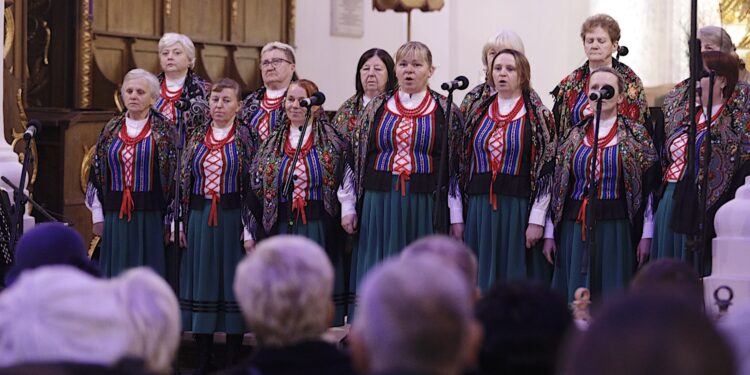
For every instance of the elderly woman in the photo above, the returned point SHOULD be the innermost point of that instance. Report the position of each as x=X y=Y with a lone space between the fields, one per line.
x=180 y=83
x=131 y=179
x=730 y=157
x=395 y=166
x=601 y=36
x=215 y=172
x=375 y=75
x=507 y=167
x=284 y=290
x=626 y=156
x=505 y=39
x=262 y=109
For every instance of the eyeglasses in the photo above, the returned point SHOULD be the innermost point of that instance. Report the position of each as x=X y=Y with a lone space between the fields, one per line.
x=273 y=62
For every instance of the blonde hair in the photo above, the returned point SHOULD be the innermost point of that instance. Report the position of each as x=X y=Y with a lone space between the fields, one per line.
x=418 y=49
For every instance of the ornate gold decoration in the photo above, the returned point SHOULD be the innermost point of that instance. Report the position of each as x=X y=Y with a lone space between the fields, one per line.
x=88 y=154
x=10 y=32
x=167 y=8
x=86 y=58
x=737 y=12
x=292 y=20
x=18 y=136
x=48 y=34
x=118 y=100
x=235 y=10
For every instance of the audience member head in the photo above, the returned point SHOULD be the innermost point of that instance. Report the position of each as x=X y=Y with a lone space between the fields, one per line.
x=649 y=333
x=284 y=289
x=669 y=276
x=50 y=244
x=451 y=251
x=505 y=39
x=414 y=315
x=376 y=72
x=58 y=314
x=715 y=38
x=524 y=328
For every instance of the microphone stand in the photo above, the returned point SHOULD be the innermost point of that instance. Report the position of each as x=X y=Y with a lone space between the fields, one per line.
x=440 y=211
x=19 y=199
x=289 y=183
x=696 y=66
x=594 y=267
x=34 y=203
x=705 y=238
x=173 y=267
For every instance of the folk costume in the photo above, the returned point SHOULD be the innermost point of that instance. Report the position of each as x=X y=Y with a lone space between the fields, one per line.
x=191 y=87
x=348 y=114
x=261 y=112
x=314 y=207
x=130 y=185
x=626 y=165
x=476 y=96
x=215 y=177
x=571 y=97
x=390 y=186
x=730 y=156
x=508 y=160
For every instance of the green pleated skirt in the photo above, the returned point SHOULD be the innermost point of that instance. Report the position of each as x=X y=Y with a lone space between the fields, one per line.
x=616 y=258
x=127 y=244
x=389 y=222
x=498 y=237
x=666 y=243
x=207 y=268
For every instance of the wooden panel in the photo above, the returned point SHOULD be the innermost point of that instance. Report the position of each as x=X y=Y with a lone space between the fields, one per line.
x=214 y=61
x=146 y=55
x=246 y=61
x=112 y=58
x=263 y=21
x=139 y=17
x=202 y=20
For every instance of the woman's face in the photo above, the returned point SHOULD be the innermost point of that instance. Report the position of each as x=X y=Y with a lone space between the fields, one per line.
x=137 y=95
x=294 y=111
x=599 y=80
x=598 y=45
x=174 y=59
x=373 y=75
x=505 y=76
x=275 y=67
x=413 y=73
x=223 y=105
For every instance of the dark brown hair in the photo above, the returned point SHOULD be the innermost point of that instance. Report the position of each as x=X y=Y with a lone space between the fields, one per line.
x=522 y=65
x=725 y=65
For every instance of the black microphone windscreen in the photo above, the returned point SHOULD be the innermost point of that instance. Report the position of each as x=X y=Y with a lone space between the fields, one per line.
x=623 y=51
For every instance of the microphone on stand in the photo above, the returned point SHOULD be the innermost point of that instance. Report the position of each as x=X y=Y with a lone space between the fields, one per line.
x=622 y=51
x=183 y=104
x=459 y=83
x=32 y=128
x=606 y=92
x=317 y=98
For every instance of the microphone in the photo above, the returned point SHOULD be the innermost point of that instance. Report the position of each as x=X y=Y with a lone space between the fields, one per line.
x=622 y=51
x=459 y=83
x=183 y=104
x=32 y=128
x=317 y=98
x=606 y=92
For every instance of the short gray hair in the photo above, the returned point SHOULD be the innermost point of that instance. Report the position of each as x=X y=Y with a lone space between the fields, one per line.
x=283 y=47
x=284 y=289
x=151 y=81
x=447 y=249
x=414 y=315
x=504 y=39
x=718 y=36
x=168 y=39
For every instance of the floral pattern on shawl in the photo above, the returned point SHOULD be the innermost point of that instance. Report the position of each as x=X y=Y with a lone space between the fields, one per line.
x=197 y=90
x=477 y=95
x=346 y=117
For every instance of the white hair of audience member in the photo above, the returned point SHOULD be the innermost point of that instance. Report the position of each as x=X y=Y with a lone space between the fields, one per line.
x=413 y=315
x=151 y=81
x=169 y=39
x=284 y=289
x=60 y=314
x=454 y=252
x=735 y=327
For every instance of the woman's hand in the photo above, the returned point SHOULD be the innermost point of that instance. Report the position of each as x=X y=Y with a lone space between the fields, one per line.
x=643 y=251
x=249 y=245
x=98 y=228
x=534 y=233
x=183 y=239
x=549 y=250
x=457 y=231
x=349 y=223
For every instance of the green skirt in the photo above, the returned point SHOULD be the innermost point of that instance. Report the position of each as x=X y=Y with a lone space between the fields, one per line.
x=499 y=239
x=138 y=242
x=207 y=270
x=666 y=243
x=389 y=222
x=617 y=257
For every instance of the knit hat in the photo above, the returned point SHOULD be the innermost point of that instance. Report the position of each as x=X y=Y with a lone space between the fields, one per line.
x=50 y=244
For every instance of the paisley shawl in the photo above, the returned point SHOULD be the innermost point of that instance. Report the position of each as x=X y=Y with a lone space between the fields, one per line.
x=346 y=117
x=476 y=96
x=197 y=90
